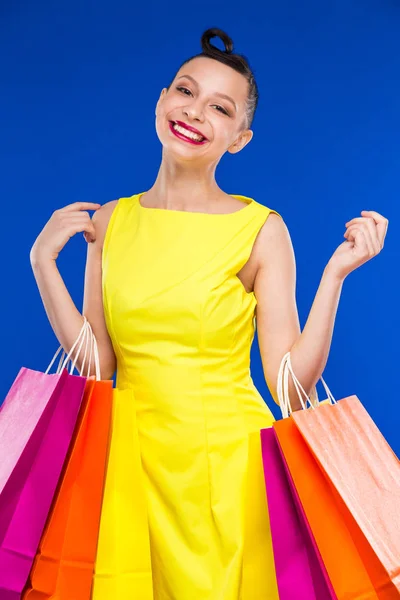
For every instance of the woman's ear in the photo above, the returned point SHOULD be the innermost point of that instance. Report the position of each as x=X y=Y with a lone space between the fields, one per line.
x=243 y=139
x=160 y=99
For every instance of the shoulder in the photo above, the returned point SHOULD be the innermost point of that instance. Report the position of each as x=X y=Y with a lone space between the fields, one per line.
x=273 y=237
x=273 y=222
x=101 y=219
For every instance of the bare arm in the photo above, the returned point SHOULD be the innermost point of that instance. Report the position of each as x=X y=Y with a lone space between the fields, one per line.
x=93 y=307
x=64 y=317
x=277 y=316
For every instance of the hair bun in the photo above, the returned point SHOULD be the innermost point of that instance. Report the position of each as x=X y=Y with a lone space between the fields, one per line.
x=210 y=48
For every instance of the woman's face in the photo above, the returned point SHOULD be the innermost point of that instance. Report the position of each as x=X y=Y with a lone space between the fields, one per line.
x=210 y=97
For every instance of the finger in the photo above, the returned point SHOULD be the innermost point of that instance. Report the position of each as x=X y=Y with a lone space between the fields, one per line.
x=89 y=237
x=360 y=237
x=372 y=227
x=381 y=222
x=369 y=214
x=80 y=223
x=355 y=220
x=363 y=245
x=79 y=220
x=78 y=214
x=84 y=228
x=375 y=215
x=76 y=217
x=81 y=206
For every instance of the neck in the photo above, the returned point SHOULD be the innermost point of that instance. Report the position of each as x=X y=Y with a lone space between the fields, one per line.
x=183 y=186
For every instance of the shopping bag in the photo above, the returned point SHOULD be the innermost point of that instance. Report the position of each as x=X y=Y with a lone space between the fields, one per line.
x=123 y=561
x=64 y=563
x=337 y=548
x=331 y=441
x=317 y=563
x=29 y=478
x=258 y=573
x=300 y=571
x=365 y=472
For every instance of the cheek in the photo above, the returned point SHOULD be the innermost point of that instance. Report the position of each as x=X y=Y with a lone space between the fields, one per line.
x=225 y=134
x=161 y=111
x=163 y=116
x=170 y=104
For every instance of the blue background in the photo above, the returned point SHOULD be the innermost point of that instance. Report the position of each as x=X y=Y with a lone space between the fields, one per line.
x=79 y=83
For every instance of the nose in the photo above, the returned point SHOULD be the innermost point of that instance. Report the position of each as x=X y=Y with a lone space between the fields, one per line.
x=194 y=111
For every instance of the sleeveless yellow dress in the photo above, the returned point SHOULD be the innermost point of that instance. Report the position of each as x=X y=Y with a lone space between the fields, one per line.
x=182 y=325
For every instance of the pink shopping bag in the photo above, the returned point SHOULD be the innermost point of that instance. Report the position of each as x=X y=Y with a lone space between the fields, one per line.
x=361 y=466
x=37 y=421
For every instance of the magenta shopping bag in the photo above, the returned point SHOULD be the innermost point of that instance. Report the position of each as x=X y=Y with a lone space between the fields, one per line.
x=37 y=421
x=300 y=571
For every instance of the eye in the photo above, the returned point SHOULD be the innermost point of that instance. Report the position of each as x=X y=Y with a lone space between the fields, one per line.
x=184 y=90
x=222 y=109
x=179 y=87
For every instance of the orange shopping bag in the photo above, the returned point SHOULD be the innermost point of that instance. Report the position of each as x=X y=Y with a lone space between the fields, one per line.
x=348 y=479
x=341 y=556
x=64 y=564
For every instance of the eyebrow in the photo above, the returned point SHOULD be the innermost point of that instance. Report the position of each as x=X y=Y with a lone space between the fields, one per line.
x=216 y=93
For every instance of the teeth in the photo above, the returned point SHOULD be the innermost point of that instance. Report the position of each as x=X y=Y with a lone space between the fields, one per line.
x=187 y=133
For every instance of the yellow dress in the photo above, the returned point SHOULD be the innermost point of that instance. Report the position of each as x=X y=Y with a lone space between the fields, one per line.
x=182 y=325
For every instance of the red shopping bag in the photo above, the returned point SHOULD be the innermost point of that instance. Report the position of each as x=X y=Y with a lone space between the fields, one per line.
x=37 y=420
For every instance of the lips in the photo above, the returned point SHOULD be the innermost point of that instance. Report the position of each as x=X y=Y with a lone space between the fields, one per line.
x=189 y=128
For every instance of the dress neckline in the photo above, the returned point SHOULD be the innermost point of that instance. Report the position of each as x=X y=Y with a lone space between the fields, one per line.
x=249 y=203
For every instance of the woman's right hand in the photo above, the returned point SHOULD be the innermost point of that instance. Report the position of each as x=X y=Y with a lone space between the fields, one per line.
x=62 y=225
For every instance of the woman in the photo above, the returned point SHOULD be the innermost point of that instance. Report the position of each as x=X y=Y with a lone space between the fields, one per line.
x=176 y=278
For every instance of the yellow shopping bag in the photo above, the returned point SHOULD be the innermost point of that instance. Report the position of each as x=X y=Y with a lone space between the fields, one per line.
x=259 y=573
x=123 y=562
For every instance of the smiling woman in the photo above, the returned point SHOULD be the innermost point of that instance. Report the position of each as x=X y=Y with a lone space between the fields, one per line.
x=170 y=285
x=177 y=278
x=214 y=95
x=182 y=325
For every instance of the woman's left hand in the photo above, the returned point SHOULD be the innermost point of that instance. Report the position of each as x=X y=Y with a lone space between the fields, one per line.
x=365 y=237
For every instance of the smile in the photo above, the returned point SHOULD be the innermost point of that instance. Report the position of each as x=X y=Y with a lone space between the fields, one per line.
x=186 y=135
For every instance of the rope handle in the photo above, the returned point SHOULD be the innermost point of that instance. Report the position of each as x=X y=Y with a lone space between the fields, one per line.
x=85 y=334
x=283 y=389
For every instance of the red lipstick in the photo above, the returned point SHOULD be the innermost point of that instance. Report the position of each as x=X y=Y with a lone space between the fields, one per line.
x=186 y=126
x=183 y=137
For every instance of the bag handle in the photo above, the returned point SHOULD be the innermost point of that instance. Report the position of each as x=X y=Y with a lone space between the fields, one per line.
x=85 y=333
x=283 y=389
x=93 y=347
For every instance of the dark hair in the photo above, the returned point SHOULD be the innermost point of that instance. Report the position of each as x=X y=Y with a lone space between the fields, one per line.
x=237 y=61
